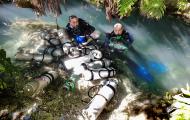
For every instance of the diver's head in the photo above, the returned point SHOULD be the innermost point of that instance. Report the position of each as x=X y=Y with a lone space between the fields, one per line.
x=118 y=28
x=73 y=21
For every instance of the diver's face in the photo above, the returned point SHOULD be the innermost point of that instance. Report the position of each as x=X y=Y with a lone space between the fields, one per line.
x=118 y=30
x=74 y=22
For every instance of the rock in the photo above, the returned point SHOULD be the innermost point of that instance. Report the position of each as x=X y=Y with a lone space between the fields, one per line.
x=4 y=114
x=116 y=115
x=141 y=116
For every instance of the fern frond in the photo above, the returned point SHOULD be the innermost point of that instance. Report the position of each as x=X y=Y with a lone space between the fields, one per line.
x=125 y=7
x=152 y=8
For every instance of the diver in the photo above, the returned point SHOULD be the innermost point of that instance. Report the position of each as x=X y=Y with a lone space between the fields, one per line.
x=119 y=36
x=80 y=30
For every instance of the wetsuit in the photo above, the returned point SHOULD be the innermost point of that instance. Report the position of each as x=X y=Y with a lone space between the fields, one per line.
x=124 y=38
x=83 y=29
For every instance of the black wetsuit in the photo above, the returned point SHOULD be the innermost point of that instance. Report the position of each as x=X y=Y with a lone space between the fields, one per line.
x=83 y=29
x=123 y=38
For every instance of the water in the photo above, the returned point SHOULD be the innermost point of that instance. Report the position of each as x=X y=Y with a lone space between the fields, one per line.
x=13 y=35
x=160 y=55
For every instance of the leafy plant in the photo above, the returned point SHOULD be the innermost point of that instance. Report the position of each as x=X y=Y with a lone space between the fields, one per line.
x=96 y=2
x=149 y=8
x=182 y=5
x=152 y=8
x=182 y=105
x=126 y=7
x=8 y=72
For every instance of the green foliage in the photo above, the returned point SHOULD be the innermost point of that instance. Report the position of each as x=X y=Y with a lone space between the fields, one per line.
x=96 y=2
x=126 y=7
x=181 y=114
x=7 y=71
x=182 y=5
x=181 y=102
x=149 y=8
x=152 y=8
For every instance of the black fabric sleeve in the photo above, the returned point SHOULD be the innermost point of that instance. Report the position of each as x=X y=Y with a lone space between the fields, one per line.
x=86 y=27
x=68 y=31
x=107 y=40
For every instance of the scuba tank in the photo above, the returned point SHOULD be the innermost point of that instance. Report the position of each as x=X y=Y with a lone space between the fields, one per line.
x=61 y=33
x=54 y=34
x=74 y=52
x=53 y=51
x=52 y=31
x=51 y=38
x=98 y=64
x=70 y=50
x=33 y=88
x=53 y=42
x=95 y=74
x=36 y=57
x=97 y=104
x=87 y=49
x=73 y=62
x=66 y=47
x=95 y=55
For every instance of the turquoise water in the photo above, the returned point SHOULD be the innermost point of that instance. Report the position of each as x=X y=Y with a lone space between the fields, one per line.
x=159 y=58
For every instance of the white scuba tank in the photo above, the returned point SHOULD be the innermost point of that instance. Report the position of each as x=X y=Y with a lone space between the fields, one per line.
x=96 y=74
x=66 y=47
x=95 y=54
x=62 y=35
x=73 y=51
x=98 y=63
x=36 y=57
x=97 y=104
x=74 y=62
x=76 y=51
x=87 y=49
x=34 y=87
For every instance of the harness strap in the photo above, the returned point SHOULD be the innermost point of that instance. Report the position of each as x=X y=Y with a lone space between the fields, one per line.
x=91 y=71
x=92 y=75
x=103 y=97
x=111 y=88
x=45 y=51
x=52 y=52
x=49 y=75
x=103 y=63
x=109 y=73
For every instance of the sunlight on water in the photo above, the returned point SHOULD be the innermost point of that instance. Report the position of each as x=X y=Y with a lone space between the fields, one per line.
x=14 y=29
x=171 y=55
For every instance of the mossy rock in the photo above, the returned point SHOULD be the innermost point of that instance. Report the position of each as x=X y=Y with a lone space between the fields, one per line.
x=42 y=115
